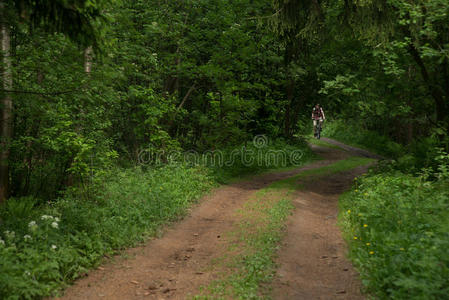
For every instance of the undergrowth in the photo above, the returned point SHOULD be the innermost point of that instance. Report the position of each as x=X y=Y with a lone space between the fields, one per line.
x=398 y=231
x=44 y=248
x=356 y=136
x=253 y=159
x=46 y=245
x=421 y=153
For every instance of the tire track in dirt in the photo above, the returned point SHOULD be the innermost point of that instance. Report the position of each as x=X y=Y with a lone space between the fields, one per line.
x=312 y=259
x=176 y=265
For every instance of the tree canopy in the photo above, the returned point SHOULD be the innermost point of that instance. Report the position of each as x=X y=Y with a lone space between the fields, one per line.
x=208 y=74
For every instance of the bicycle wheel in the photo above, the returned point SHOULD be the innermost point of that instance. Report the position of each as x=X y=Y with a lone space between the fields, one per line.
x=318 y=134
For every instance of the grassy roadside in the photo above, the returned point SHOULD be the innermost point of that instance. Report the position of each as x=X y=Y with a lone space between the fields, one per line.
x=356 y=136
x=308 y=160
x=43 y=248
x=340 y=166
x=321 y=143
x=396 y=226
x=250 y=264
x=250 y=160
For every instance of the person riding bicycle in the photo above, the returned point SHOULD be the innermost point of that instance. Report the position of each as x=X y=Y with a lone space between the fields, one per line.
x=317 y=116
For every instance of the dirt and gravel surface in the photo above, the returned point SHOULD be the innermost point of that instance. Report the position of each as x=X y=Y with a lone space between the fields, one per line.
x=312 y=263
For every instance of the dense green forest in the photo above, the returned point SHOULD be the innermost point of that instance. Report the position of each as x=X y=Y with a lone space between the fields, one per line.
x=85 y=83
x=87 y=86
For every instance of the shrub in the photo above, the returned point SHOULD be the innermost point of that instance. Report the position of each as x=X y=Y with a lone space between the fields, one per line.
x=398 y=231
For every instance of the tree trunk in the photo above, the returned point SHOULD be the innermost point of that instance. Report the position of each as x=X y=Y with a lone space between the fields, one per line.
x=88 y=60
x=6 y=105
x=186 y=97
x=297 y=109
x=434 y=89
x=446 y=78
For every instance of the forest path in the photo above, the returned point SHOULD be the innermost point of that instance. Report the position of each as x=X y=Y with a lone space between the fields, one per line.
x=312 y=257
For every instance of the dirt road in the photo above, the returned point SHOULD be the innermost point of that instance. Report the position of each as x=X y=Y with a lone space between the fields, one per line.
x=312 y=263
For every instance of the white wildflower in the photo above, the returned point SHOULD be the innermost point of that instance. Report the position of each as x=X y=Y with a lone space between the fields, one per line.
x=53 y=247
x=46 y=217
x=2 y=242
x=27 y=273
x=57 y=219
x=32 y=225
x=54 y=224
x=10 y=234
x=27 y=237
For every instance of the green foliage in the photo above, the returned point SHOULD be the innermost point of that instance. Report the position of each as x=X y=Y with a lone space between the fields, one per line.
x=172 y=76
x=78 y=19
x=59 y=137
x=397 y=229
x=421 y=153
x=44 y=248
x=381 y=64
x=18 y=209
x=200 y=75
x=353 y=134
x=250 y=159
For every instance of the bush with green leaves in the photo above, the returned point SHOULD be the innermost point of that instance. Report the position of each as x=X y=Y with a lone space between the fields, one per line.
x=398 y=232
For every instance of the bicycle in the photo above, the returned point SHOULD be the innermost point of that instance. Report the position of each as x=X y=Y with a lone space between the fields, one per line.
x=318 y=127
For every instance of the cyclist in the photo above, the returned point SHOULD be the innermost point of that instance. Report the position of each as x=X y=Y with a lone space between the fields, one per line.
x=317 y=116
